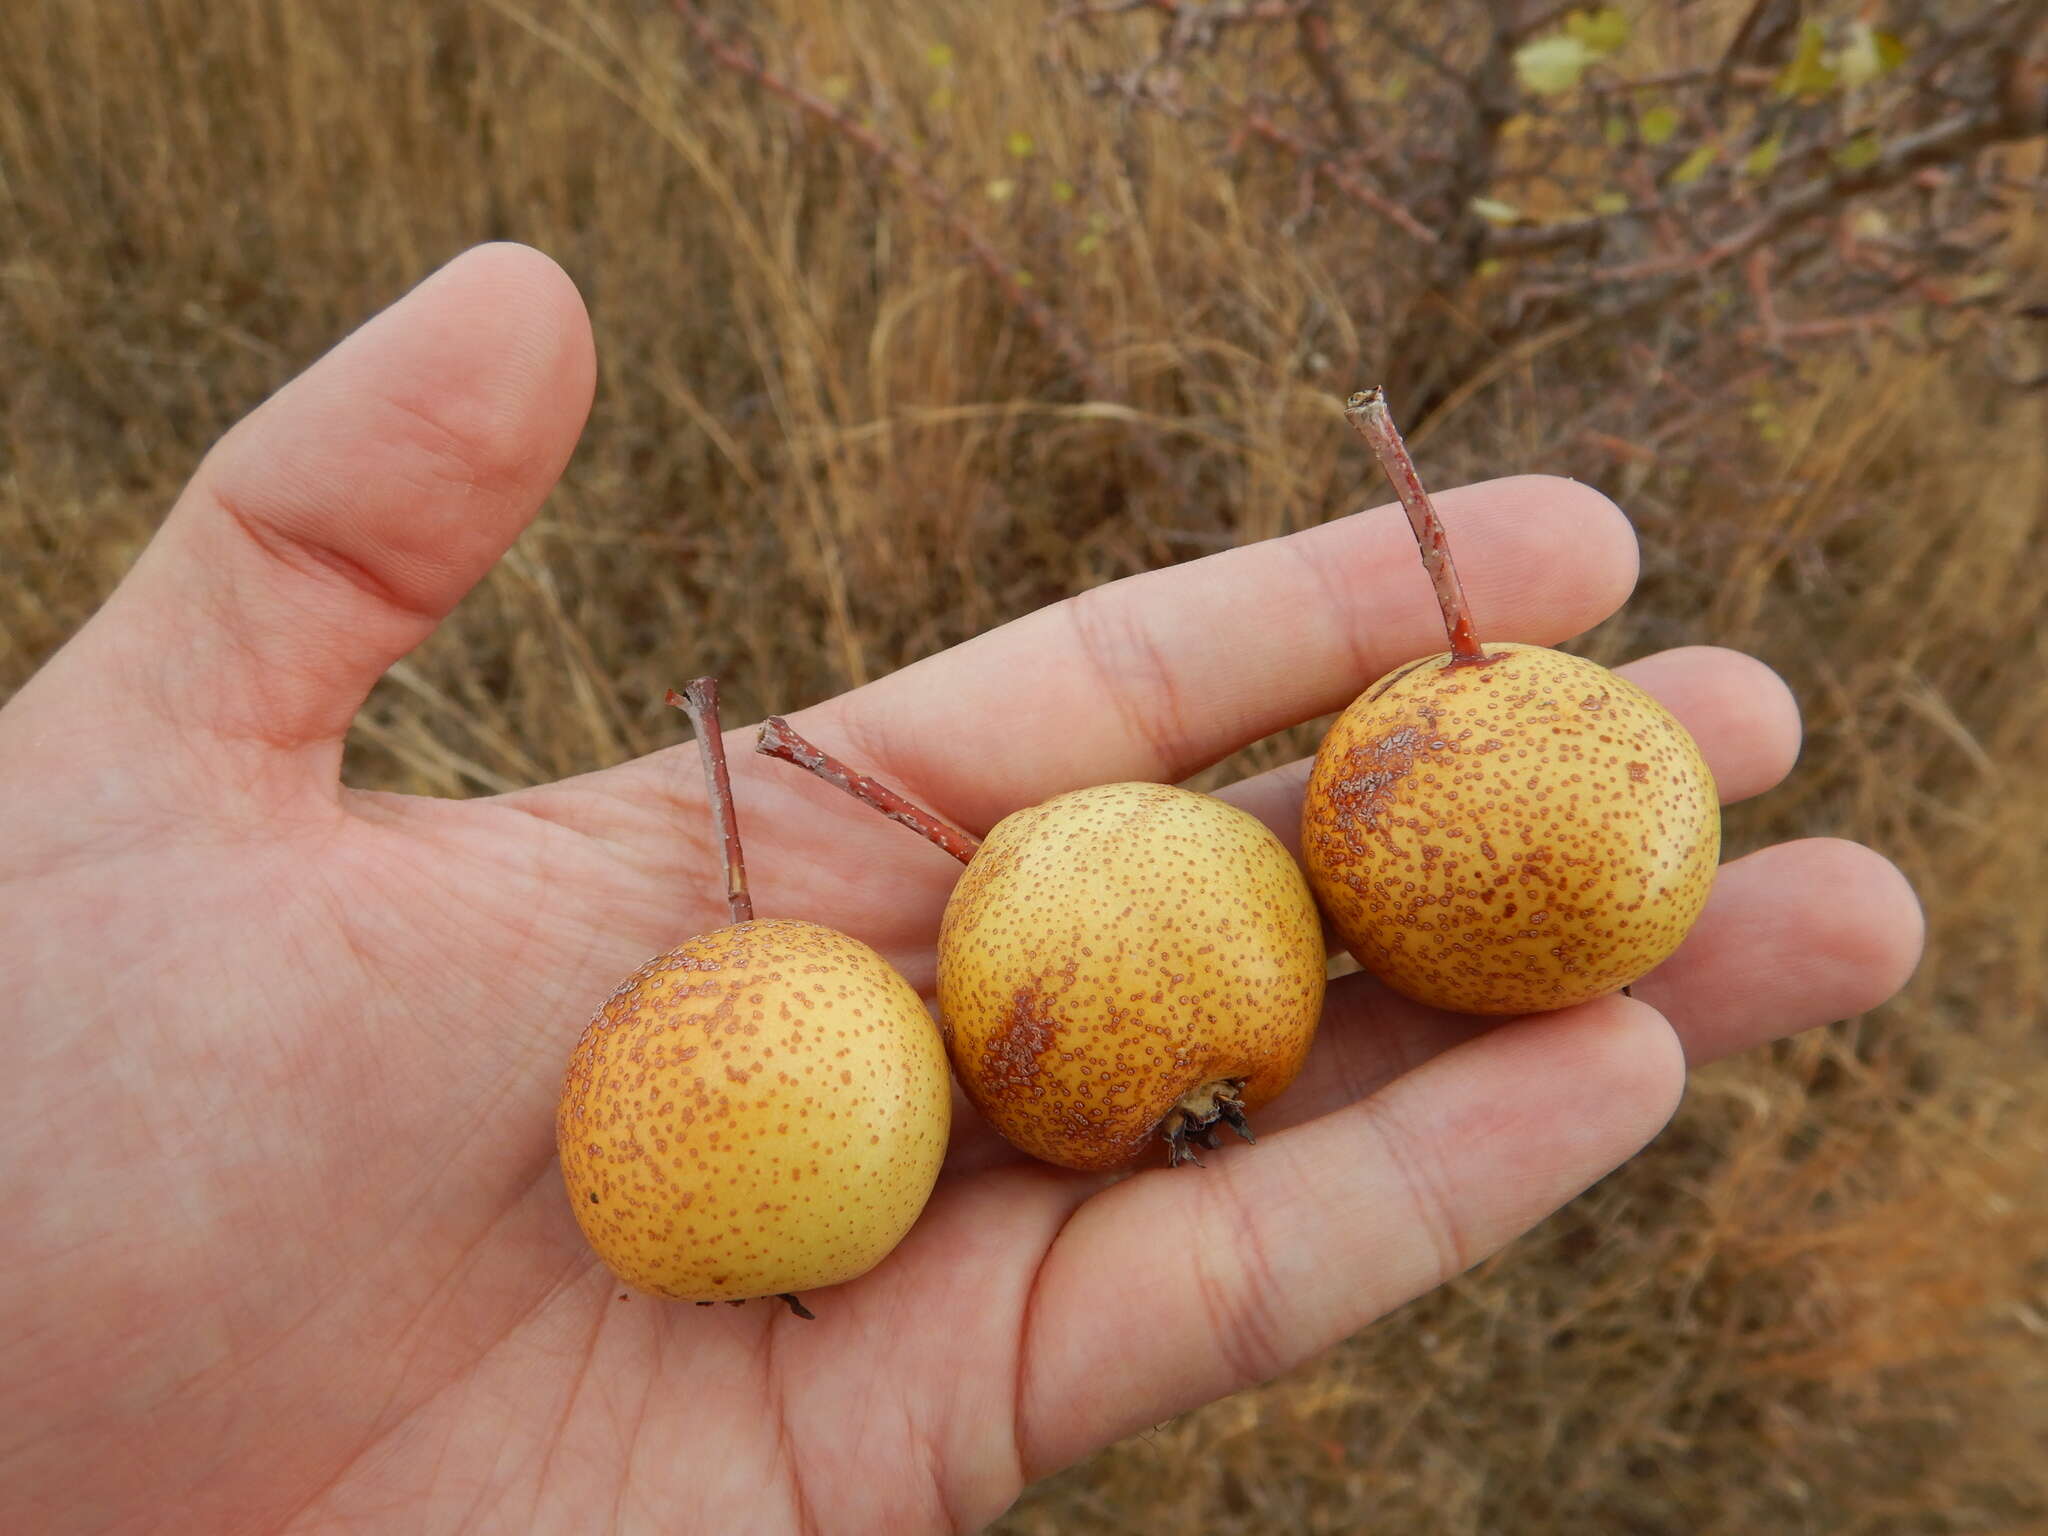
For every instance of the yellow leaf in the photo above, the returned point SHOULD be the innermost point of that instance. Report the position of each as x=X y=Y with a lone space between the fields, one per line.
x=939 y=56
x=1552 y=65
x=1858 y=154
x=1762 y=160
x=1602 y=31
x=1494 y=211
x=1019 y=144
x=1808 y=74
x=1694 y=165
x=1000 y=190
x=1611 y=203
x=1659 y=124
x=1063 y=191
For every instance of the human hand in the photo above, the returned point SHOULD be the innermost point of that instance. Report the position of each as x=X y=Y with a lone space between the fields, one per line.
x=288 y=1247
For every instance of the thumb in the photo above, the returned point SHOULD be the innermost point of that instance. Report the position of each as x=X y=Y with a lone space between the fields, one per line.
x=328 y=533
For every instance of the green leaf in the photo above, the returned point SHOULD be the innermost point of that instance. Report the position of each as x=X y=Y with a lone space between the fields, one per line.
x=1694 y=166
x=1063 y=191
x=939 y=56
x=1496 y=212
x=1552 y=65
x=1808 y=74
x=1615 y=131
x=1611 y=203
x=1659 y=124
x=1019 y=144
x=1860 y=153
x=1602 y=31
x=1762 y=160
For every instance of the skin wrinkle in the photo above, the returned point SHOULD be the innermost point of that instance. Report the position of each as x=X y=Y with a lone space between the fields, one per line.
x=1135 y=679
x=1401 y=1147
x=1323 y=573
x=1244 y=1316
x=778 y=1411
x=318 y=559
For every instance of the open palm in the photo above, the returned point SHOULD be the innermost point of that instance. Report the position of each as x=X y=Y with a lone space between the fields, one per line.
x=286 y=1245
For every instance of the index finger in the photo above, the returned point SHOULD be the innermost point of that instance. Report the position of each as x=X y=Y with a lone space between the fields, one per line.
x=1159 y=675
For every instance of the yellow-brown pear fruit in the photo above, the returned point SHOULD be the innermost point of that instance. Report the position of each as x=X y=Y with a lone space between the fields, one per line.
x=1510 y=836
x=760 y=1111
x=1124 y=963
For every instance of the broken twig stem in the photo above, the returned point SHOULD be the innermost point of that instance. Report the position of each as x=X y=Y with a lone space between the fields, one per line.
x=1367 y=412
x=780 y=739
x=699 y=700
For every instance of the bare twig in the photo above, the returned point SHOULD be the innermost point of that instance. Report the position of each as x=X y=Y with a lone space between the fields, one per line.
x=780 y=739
x=1040 y=316
x=1342 y=177
x=699 y=700
x=1367 y=412
x=1319 y=53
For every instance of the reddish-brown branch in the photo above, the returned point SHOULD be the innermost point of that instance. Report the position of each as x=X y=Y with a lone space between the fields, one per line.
x=1953 y=137
x=699 y=700
x=1342 y=178
x=780 y=739
x=1367 y=412
x=1319 y=53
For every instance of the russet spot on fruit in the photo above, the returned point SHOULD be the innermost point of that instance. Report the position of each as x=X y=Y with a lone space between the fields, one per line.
x=1511 y=837
x=1504 y=828
x=1124 y=955
x=759 y=1111
x=1118 y=965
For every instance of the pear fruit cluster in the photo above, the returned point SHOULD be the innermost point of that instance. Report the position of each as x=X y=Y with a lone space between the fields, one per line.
x=1491 y=829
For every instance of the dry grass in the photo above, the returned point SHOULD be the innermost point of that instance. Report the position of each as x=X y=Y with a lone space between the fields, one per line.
x=823 y=446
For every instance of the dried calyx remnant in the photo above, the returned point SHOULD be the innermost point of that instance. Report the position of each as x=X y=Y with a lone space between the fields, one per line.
x=1195 y=1118
x=795 y=1306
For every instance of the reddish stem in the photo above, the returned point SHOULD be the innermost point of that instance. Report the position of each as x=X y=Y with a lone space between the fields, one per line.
x=780 y=739
x=1367 y=412
x=699 y=700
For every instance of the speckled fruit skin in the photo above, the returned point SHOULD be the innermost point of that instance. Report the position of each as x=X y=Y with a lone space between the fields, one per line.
x=1114 y=948
x=1513 y=837
x=760 y=1110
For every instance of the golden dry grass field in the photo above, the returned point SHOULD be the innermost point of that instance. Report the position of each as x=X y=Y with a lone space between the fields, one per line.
x=824 y=445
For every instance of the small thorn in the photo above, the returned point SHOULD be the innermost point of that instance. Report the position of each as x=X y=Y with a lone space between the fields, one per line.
x=797 y=1307
x=1629 y=990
